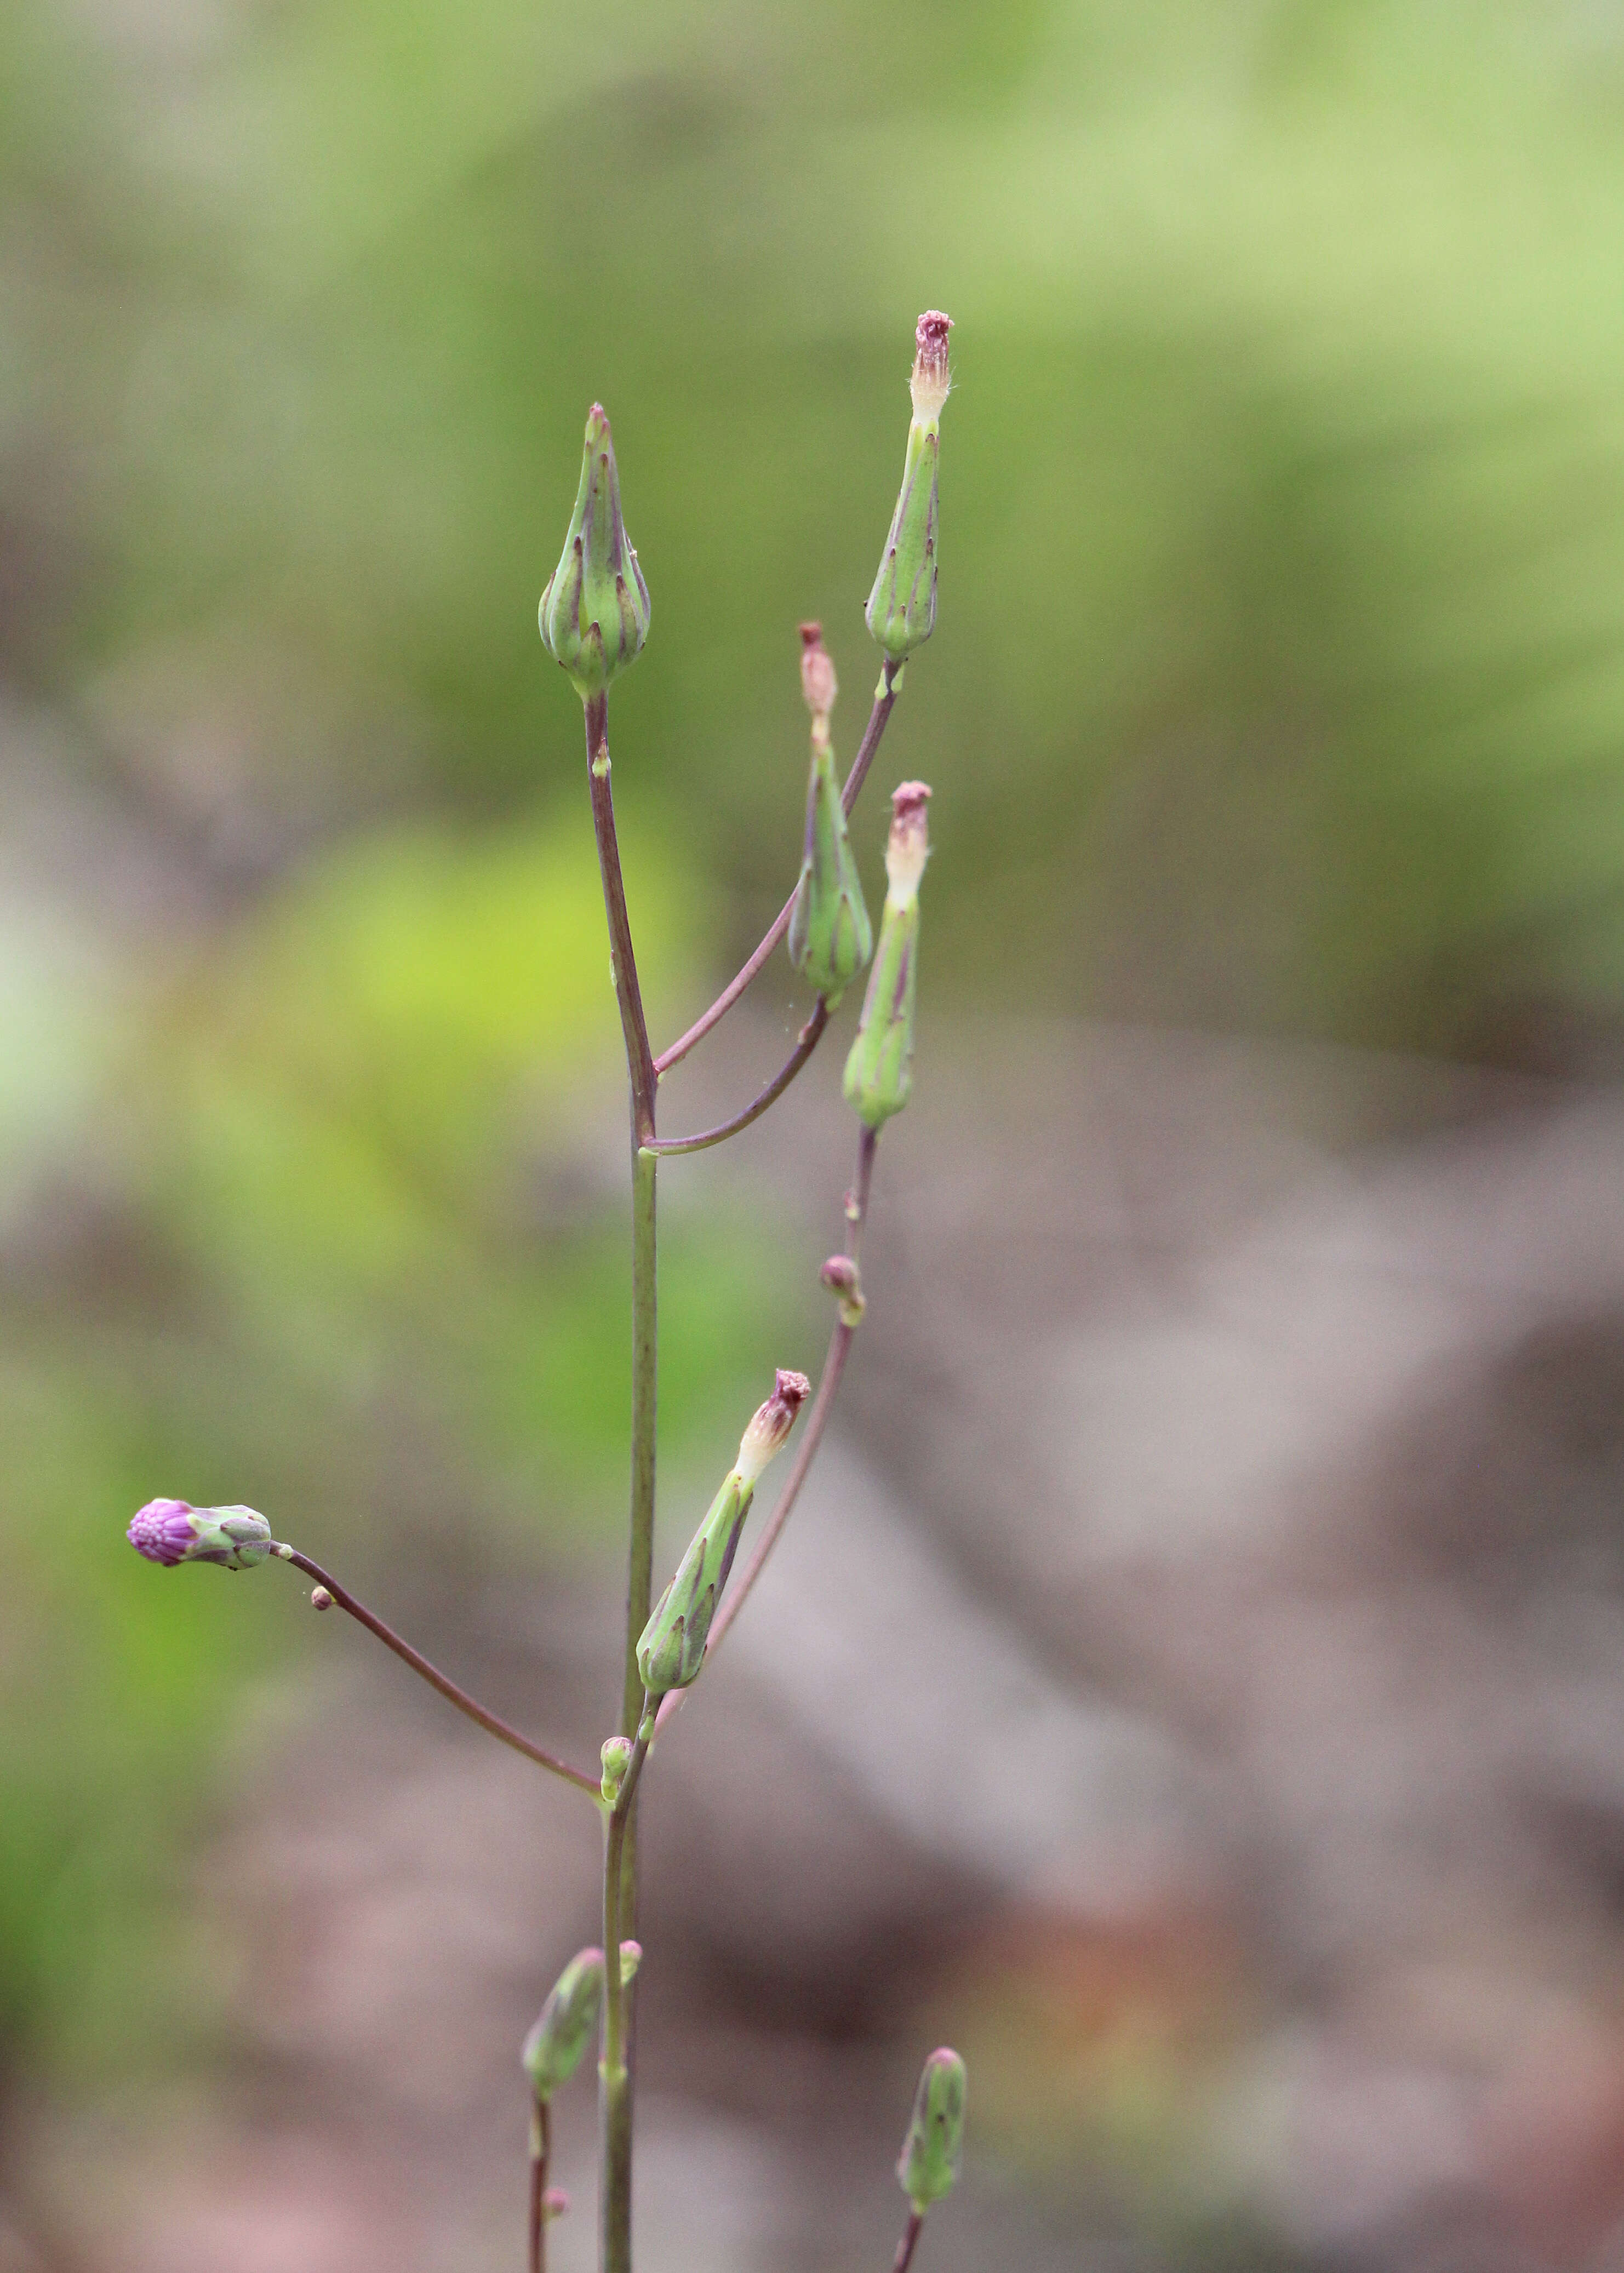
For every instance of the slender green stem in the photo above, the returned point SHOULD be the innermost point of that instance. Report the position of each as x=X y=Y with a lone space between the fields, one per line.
x=883 y=703
x=615 y=2075
x=620 y=1841
x=491 y=1721
x=807 y=1041
x=910 y=2235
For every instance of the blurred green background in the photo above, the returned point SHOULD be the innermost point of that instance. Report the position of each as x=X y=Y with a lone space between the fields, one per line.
x=1278 y=686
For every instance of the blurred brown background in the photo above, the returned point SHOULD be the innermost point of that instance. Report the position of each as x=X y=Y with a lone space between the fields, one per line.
x=1194 y=1682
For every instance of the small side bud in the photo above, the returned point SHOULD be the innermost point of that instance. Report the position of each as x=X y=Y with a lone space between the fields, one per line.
x=928 y=2163
x=879 y=1070
x=554 y=2203
x=839 y=1275
x=818 y=682
x=631 y=1958
x=320 y=1599
x=672 y=1646
x=831 y=937
x=170 y=1530
x=553 y=2050
x=902 y=607
x=616 y=1756
x=594 y=614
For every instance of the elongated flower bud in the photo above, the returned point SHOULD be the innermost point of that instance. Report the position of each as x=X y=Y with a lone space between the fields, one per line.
x=673 y=1646
x=902 y=607
x=552 y=2050
x=831 y=937
x=169 y=1531
x=594 y=614
x=928 y=2163
x=616 y=1755
x=879 y=1070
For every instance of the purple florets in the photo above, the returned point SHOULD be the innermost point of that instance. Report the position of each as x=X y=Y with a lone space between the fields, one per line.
x=162 y=1531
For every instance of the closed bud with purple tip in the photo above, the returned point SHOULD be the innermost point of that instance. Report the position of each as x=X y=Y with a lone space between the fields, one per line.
x=170 y=1530
x=594 y=614
x=673 y=1646
x=902 y=607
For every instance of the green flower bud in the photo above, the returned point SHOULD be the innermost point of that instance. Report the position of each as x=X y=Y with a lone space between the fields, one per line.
x=616 y=1756
x=879 y=1070
x=673 y=1646
x=553 y=2050
x=902 y=607
x=831 y=937
x=594 y=614
x=928 y=2163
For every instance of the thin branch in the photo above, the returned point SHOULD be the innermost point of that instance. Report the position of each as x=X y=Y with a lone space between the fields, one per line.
x=541 y=2143
x=910 y=2235
x=817 y=1421
x=806 y=1043
x=640 y=1063
x=489 y=1722
x=884 y=702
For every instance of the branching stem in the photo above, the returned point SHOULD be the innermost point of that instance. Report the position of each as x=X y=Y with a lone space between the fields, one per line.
x=883 y=704
x=491 y=1721
x=807 y=1041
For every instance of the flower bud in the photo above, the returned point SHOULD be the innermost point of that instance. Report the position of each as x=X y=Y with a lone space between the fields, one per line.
x=673 y=1646
x=831 y=937
x=818 y=682
x=902 y=607
x=879 y=1070
x=169 y=1531
x=553 y=2050
x=616 y=1756
x=770 y=1425
x=928 y=2163
x=594 y=614
x=839 y=1275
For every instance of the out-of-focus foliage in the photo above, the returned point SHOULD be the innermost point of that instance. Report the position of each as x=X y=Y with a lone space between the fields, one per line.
x=1279 y=679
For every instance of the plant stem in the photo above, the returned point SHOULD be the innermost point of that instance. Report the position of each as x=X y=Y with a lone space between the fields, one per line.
x=621 y=1842
x=735 y=986
x=817 y=1421
x=448 y=1688
x=806 y=1043
x=623 y=962
x=615 y=2072
x=910 y=2235
x=541 y=2143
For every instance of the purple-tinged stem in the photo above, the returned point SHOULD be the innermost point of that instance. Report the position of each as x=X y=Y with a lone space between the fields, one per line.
x=541 y=2145
x=910 y=2235
x=817 y=1421
x=489 y=1722
x=883 y=705
x=807 y=1041
x=640 y=1063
